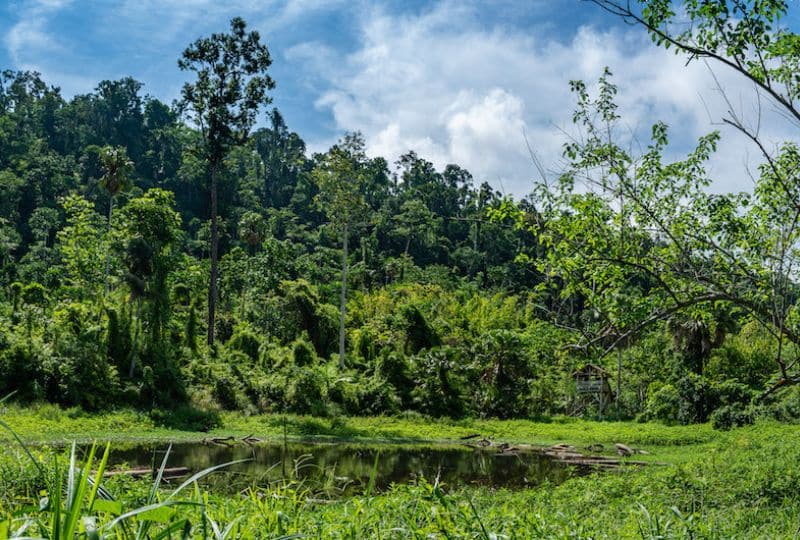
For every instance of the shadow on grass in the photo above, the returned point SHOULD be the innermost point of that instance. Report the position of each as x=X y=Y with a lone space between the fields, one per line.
x=309 y=428
x=186 y=419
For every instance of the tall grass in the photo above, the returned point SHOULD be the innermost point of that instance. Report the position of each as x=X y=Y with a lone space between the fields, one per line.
x=743 y=484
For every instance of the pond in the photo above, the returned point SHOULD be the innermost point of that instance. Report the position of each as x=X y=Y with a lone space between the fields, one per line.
x=347 y=468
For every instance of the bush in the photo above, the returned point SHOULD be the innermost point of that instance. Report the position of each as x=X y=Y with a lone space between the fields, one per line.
x=303 y=353
x=787 y=409
x=346 y=394
x=503 y=374
x=696 y=399
x=377 y=397
x=34 y=294
x=21 y=372
x=419 y=333
x=394 y=368
x=663 y=403
x=730 y=416
x=245 y=341
x=436 y=389
x=305 y=392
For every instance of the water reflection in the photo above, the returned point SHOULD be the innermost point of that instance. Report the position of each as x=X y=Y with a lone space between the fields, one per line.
x=348 y=467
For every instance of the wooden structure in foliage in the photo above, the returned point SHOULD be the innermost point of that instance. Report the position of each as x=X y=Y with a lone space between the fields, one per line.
x=591 y=388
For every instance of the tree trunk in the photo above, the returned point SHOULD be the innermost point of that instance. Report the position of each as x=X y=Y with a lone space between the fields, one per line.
x=108 y=248
x=135 y=344
x=212 y=284
x=343 y=297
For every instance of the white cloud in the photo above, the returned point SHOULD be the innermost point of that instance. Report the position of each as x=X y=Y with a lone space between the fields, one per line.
x=447 y=86
x=30 y=33
x=143 y=38
x=447 y=82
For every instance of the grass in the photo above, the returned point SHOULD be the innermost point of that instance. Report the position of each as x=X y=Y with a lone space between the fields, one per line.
x=739 y=484
x=49 y=424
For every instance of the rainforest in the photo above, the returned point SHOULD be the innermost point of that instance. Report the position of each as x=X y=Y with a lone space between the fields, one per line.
x=371 y=346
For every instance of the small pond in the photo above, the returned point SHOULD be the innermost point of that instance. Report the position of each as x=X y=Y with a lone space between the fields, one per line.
x=346 y=468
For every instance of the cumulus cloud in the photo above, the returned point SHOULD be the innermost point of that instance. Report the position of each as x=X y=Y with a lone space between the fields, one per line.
x=456 y=81
x=30 y=31
x=454 y=89
x=75 y=48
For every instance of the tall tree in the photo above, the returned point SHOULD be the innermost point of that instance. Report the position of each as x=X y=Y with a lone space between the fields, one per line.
x=117 y=169
x=340 y=176
x=230 y=89
x=148 y=229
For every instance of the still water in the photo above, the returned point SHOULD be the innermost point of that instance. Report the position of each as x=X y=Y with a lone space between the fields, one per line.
x=347 y=468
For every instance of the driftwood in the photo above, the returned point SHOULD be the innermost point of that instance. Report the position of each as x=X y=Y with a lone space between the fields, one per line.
x=563 y=453
x=222 y=441
x=626 y=451
x=231 y=440
x=167 y=473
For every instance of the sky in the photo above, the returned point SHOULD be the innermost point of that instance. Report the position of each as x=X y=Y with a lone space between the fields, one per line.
x=469 y=82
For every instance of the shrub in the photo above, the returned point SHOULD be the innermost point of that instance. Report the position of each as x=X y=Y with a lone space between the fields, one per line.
x=246 y=341
x=34 y=294
x=436 y=389
x=377 y=396
x=419 y=333
x=21 y=371
x=663 y=403
x=730 y=416
x=394 y=368
x=303 y=353
x=346 y=394
x=503 y=375
x=305 y=392
x=227 y=392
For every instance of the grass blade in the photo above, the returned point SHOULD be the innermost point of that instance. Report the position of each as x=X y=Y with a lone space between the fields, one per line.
x=78 y=491
x=183 y=525
x=373 y=475
x=22 y=444
x=205 y=472
x=98 y=477
x=142 y=510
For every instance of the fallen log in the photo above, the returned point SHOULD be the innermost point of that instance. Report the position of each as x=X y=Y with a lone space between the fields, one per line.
x=169 y=472
x=222 y=441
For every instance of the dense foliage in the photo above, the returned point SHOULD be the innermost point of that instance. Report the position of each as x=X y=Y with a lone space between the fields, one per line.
x=439 y=295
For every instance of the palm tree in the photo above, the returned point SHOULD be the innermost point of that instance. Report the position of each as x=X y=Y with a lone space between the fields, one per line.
x=117 y=168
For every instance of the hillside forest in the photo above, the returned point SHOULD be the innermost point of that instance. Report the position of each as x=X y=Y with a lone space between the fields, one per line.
x=196 y=256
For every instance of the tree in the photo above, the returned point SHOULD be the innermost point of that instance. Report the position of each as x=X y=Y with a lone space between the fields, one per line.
x=340 y=177
x=641 y=240
x=223 y=102
x=745 y=251
x=81 y=245
x=283 y=158
x=416 y=222
x=117 y=169
x=148 y=228
x=252 y=228
x=9 y=240
x=117 y=114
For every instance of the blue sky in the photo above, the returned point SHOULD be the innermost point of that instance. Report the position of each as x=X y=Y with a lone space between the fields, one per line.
x=457 y=81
